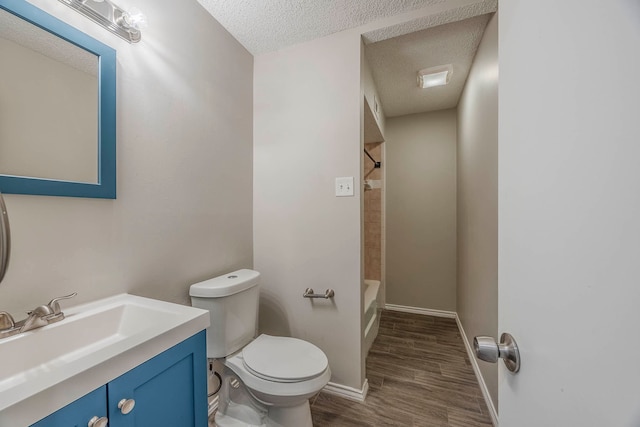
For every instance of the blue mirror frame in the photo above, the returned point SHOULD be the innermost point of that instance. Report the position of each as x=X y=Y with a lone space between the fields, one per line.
x=105 y=188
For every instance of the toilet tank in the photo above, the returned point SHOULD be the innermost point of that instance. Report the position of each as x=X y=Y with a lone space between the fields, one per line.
x=232 y=301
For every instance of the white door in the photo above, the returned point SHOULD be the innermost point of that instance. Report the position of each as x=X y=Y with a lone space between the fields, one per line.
x=569 y=211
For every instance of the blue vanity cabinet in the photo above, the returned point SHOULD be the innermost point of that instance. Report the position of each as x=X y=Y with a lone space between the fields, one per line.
x=168 y=390
x=78 y=413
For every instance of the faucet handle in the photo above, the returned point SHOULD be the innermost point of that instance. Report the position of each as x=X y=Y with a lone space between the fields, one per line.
x=6 y=321
x=55 y=307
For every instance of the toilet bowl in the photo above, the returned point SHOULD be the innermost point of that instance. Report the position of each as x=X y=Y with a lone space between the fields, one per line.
x=279 y=375
x=268 y=380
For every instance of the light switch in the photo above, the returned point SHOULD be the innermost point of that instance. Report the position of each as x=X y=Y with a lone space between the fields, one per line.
x=344 y=186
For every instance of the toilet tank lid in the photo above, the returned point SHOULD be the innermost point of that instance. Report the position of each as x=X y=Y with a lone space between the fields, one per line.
x=225 y=285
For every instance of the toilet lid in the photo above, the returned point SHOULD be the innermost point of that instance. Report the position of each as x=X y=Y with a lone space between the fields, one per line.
x=284 y=359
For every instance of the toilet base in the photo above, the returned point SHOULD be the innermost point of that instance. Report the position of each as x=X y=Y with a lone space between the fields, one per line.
x=246 y=417
x=290 y=416
x=299 y=416
x=238 y=407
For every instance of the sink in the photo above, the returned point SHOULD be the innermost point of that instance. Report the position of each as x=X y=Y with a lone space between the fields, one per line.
x=47 y=368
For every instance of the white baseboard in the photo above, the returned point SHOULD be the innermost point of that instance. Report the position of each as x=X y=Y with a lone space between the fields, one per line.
x=476 y=369
x=348 y=392
x=424 y=311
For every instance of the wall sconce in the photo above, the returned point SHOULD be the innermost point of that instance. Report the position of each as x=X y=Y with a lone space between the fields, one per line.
x=124 y=24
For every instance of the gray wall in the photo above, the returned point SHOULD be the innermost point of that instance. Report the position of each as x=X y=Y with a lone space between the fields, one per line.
x=421 y=210
x=478 y=199
x=307 y=131
x=184 y=206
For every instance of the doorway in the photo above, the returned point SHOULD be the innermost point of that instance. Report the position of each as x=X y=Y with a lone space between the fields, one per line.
x=441 y=178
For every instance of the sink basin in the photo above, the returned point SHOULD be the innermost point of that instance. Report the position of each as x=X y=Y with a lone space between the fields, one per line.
x=47 y=368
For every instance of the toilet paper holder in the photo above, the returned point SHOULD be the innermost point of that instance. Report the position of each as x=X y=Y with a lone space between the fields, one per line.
x=309 y=293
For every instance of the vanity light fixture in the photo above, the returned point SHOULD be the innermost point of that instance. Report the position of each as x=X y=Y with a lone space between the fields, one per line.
x=124 y=24
x=435 y=76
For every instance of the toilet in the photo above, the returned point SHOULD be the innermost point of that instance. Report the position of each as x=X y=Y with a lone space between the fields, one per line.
x=266 y=380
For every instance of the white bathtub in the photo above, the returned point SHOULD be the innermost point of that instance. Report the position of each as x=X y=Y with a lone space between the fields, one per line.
x=371 y=312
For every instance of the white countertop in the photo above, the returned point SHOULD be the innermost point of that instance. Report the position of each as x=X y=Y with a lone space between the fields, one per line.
x=45 y=369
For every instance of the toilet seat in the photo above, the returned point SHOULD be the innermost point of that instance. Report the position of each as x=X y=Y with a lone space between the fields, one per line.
x=283 y=359
x=274 y=387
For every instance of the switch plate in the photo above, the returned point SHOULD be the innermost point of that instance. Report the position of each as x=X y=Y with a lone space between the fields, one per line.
x=344 y=186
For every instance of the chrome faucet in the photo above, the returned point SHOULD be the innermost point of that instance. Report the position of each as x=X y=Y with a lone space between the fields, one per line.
x=40 y=316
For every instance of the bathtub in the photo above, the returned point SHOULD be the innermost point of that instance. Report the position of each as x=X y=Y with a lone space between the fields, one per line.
x=371 y=312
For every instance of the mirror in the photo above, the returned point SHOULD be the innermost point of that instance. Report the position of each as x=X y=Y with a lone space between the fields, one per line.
x=57 y=107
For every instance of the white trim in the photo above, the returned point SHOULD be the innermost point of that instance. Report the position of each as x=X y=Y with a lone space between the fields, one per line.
x=476 y=369
x=348 y=392
x=423 y=311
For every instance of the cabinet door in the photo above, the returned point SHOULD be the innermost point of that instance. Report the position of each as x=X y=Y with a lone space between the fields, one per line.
x=78 y=413
x=169 y=390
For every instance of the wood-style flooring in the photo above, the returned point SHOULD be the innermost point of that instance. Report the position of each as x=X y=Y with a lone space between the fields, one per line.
x=419 y=375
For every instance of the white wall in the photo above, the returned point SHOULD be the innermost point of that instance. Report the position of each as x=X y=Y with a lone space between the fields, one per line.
x=421 y=210
x=307 y=132
x=477 y=289
x=569 y=187
x=184 y=140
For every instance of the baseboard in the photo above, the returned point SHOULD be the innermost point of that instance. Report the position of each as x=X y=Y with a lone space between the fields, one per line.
x=348 y=392
x=424 y=311
x=476 y=369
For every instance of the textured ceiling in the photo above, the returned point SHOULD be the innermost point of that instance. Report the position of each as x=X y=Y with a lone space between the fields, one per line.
x=452 y=13
x=268 y=25
x=395 y=63
x=401 y=37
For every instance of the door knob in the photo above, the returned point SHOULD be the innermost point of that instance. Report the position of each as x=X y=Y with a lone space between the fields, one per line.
x=98 y=422
x=486 y=349
x=126 y=406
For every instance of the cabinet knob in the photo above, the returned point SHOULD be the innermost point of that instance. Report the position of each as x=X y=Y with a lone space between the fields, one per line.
x=98 y=422
x=126 y=406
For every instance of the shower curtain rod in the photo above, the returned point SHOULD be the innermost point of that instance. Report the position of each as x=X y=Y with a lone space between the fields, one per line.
x=375 y=164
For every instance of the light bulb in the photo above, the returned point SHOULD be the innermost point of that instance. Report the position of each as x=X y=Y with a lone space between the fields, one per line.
x=135 y=18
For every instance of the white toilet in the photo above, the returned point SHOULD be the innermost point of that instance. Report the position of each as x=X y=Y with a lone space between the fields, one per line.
x=266 y=381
